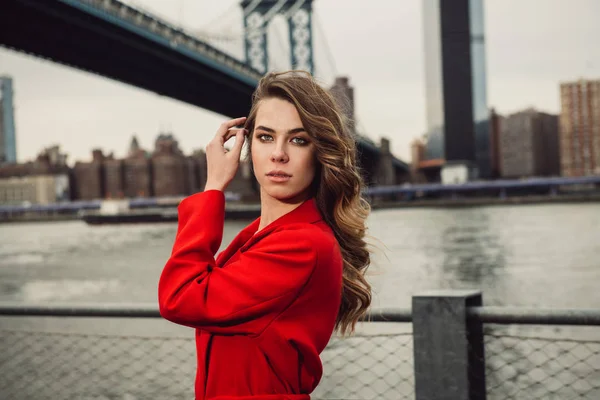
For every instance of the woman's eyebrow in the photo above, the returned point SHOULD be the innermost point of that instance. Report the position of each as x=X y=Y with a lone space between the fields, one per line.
x=264 y=128
x=271 y=130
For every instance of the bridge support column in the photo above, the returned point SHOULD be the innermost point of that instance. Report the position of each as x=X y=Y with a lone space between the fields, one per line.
x=301 y=38
x=298 y=13
x=255 y=32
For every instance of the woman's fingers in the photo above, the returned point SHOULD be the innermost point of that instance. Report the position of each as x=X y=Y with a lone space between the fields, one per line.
x=222 y=165
x=239 y=142
x=225 y=127
x=233 y=132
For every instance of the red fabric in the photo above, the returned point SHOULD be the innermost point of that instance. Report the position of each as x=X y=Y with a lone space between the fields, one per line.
x=264 y=309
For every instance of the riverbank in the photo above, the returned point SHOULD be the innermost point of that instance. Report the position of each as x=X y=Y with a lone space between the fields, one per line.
x=33 y=218
x=488 y=201
x=251 y=211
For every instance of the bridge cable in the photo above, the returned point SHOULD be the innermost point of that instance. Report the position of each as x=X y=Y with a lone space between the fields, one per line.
x=328 y=51
x=281 y=45
x=268 y=16
x=271 y=13
x=287 y=15
x=251 y=7
x=274 y=10
x=292 y=10
x=220 y=17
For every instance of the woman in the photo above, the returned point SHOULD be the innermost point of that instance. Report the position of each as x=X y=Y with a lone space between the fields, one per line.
x=266 y=307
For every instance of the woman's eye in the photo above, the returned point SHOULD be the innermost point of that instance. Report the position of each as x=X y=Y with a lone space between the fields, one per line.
x=265 y=138
x=300 y=141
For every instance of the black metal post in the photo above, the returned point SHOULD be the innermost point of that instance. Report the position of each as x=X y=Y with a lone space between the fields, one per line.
x=448 y=347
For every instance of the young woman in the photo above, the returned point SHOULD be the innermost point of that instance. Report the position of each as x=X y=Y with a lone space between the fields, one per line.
x=266 y=307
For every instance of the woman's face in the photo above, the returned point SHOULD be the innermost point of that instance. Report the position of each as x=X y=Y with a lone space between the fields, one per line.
x=283 y=155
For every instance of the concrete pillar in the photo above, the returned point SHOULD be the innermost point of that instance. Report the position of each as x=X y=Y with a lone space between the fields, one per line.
x=448 y=348
x=385 y=172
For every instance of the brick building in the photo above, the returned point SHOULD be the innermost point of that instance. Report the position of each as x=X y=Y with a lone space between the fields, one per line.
x=196 y=171
x=114 y=178
x=170 y=168
x=88 y=177
x=170 y=176
x=529 y=144
x=344 y=96
x=136 y=170
x=137 y=176
x=580 y=128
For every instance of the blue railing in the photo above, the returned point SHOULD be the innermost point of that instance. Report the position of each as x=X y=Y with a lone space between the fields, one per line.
x=530 y=183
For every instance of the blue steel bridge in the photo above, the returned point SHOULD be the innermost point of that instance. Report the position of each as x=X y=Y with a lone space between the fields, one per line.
x=118 y=41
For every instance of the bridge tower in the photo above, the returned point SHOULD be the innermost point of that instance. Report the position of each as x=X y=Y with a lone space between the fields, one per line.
x=258 y=14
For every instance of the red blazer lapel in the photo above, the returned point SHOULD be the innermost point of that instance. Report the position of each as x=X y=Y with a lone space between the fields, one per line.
x=307 y=212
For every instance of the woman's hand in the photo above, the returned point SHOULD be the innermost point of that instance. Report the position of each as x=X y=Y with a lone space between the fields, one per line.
x=222 y=164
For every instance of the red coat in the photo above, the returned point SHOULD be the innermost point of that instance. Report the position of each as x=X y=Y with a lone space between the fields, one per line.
x=264 y=309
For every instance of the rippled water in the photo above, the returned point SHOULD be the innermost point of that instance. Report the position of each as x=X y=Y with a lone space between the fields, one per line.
x=543 y=255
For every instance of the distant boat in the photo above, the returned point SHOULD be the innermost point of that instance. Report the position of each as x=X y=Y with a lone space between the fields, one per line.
x=118 y=212
x=95 y=217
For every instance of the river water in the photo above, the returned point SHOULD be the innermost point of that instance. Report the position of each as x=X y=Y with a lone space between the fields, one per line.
x=542 y=255
x=530 y=255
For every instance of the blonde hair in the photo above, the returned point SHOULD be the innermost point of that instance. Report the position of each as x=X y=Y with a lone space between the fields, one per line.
x=338 y=183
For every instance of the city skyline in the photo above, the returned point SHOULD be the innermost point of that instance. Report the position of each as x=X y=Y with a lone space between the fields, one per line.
x=526 y=63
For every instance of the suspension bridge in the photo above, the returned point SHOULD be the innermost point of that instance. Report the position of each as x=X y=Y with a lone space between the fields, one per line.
x=215 y=68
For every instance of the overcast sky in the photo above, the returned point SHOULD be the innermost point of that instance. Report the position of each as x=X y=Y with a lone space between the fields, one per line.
x=532 y=45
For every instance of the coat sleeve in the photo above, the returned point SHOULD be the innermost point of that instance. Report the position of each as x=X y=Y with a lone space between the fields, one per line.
x=246 y=295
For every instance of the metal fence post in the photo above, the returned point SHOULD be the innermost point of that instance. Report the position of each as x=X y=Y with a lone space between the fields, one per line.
x=448 y=349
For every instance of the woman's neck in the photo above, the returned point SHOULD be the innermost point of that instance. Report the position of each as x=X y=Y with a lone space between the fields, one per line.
x=272 y=209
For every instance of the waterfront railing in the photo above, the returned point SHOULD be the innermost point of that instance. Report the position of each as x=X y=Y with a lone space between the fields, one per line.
x=447 y=346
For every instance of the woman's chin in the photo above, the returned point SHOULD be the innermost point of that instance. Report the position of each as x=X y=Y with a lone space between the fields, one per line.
x=285 y=194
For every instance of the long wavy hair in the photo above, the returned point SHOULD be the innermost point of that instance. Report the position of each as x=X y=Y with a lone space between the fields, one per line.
x=338 y=183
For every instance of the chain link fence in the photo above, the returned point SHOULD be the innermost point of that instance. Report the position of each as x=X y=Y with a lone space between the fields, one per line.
x=368 y=367
x=548 y=368
x=39 y=366
x=521 y=362
x=36 y=366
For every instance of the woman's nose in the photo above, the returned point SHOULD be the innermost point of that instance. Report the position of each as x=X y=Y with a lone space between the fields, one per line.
x=279 y=154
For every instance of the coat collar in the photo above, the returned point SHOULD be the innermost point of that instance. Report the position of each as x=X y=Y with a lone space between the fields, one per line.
x=307 y=212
